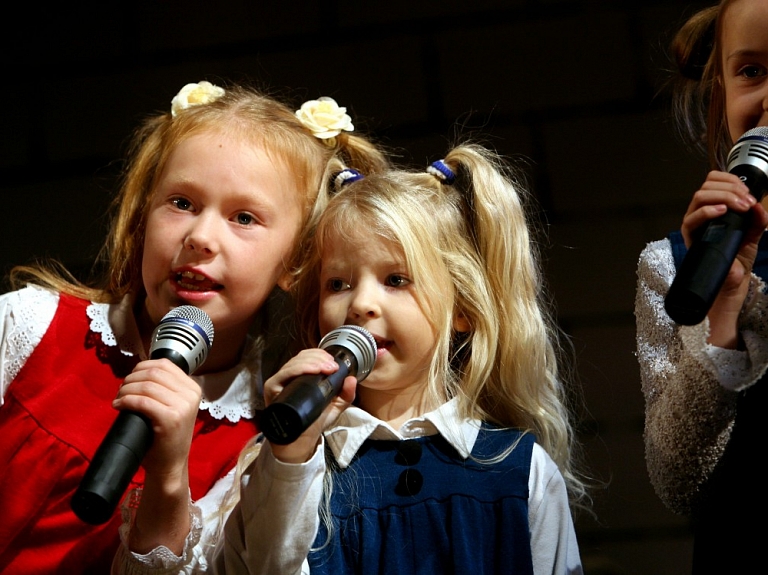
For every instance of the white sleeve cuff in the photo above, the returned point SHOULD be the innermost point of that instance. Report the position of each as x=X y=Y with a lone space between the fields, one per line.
x=160 y=560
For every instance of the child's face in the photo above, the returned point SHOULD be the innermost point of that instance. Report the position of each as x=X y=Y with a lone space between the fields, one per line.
x=745 y=65
x=365 y=282
x=223 y=220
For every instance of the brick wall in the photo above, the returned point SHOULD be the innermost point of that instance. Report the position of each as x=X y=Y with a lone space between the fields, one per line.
x=573 y=86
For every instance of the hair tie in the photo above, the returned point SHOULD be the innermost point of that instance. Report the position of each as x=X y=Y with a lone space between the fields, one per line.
x=346 y=176
x=442 y=172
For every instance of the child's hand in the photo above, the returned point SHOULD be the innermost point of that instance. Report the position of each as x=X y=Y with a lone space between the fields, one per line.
x=170 y=399
x=308 y=361
x=722 y=191
x=719 y=192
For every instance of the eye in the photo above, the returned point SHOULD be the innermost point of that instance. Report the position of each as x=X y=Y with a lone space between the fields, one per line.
x=244 y=219
x=337 y=285
x=752 y=71
x=182 y=203
x=397 y=280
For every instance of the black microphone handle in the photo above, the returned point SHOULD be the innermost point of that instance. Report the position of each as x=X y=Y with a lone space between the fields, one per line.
x=704 y=269
x=113 y=466
x=302 y=401
x=118 y=458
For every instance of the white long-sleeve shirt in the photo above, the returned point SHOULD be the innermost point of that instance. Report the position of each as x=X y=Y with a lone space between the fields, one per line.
x=275 y=523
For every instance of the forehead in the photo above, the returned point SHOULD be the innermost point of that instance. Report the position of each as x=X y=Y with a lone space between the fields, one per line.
x=745 y=26
x=229 y=159
x=358 y=243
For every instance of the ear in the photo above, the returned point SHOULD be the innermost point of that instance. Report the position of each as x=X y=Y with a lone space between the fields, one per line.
x=461 y=323
x=285 y=281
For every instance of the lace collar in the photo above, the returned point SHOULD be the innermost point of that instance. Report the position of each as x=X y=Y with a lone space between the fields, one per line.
x=230 y=394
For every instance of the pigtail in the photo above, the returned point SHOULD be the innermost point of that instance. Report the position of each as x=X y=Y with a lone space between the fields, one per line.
x=512 y=376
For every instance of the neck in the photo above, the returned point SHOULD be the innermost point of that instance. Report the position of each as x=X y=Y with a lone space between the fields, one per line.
x=395 y=407
x=226 y=351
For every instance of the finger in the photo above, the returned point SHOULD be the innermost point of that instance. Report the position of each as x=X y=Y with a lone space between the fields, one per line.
x=732 y=196
x=348 y=389
x=726 y=180
x=307 y=362
x=161 y=386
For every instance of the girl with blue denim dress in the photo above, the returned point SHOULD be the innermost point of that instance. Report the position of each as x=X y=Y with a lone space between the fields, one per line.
x=455 y=454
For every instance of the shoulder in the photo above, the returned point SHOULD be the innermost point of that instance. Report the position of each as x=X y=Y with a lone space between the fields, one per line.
x=546 y=485
x=544 y=473
x=29 y=305
x=493 y=440
x=657 y=257
x=25 y=316
x=655 y=273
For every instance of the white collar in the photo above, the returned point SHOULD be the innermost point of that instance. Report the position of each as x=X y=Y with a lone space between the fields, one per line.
x=355 y=425
x=231 y=394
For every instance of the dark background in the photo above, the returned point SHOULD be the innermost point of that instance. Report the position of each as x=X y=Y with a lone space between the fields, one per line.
x=575 y=87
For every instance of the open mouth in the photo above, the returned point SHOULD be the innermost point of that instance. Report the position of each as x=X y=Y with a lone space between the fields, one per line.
x=196 y=282
x=383 y=343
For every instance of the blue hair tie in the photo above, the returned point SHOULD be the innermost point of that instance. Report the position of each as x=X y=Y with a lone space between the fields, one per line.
x=442 y=172
x=346 y=176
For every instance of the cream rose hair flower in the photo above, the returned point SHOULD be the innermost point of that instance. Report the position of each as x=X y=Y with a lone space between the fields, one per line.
x=325 y=118
x=195 y=94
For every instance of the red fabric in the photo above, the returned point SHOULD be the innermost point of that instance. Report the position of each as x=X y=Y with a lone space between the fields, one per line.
x=57 y=411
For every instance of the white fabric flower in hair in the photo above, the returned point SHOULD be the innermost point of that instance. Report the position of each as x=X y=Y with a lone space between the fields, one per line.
x=195 y=94
x=325 y=118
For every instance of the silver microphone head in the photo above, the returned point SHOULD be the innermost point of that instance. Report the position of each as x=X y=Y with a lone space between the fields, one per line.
x=186 y=332
x=357 y=340
x=751 y=149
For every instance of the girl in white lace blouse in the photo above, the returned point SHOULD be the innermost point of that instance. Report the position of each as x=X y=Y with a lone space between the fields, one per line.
x=704 y=385
x=213 y=204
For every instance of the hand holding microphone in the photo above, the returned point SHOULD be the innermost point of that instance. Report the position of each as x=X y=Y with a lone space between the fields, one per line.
x=184 y=336
x=302 y=401
x=710 y=257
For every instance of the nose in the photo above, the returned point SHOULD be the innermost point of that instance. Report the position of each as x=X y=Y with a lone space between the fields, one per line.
x=365 y=302
x=201 y=236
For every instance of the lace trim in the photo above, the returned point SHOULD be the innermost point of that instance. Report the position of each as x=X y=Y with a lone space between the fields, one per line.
x=31 y=315
x=235 y=391
x=161 y=557
x=232 y=390
x=98 y=313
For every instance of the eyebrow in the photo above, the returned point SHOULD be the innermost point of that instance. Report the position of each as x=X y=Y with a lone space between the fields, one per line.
x=747 y=53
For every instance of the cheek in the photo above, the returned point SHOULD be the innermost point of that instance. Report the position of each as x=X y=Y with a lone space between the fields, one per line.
x=331 y=313
x=154 y=244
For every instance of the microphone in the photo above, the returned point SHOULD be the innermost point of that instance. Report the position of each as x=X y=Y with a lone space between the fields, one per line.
x=184 y=336
x=705 y=266
x=302 y=401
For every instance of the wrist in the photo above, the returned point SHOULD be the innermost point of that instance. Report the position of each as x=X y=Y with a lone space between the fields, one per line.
x=162 y=517
x=300 y=451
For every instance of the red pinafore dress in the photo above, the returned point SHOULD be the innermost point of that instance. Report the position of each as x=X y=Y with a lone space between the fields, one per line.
x=57 y=411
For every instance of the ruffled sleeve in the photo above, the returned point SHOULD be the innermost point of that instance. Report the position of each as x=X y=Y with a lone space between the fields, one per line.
x=25 y=316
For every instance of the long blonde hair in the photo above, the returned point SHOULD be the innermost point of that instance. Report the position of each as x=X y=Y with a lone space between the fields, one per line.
x=471 y=254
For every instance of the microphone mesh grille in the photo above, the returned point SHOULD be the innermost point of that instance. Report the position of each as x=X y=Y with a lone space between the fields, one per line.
x=759 y=131
x=195 y=315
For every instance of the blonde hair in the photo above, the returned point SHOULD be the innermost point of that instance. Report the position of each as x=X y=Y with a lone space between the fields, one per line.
x=471 y=255
x=244 y=111
x=699 y=92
